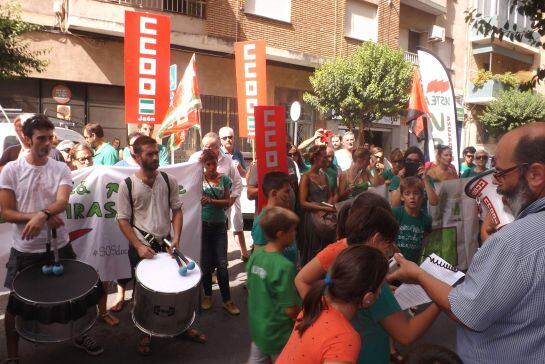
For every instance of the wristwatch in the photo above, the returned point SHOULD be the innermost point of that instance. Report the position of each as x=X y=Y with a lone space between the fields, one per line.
x=47 y=213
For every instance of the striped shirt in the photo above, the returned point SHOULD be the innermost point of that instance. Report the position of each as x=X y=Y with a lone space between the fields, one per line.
x=502 y=300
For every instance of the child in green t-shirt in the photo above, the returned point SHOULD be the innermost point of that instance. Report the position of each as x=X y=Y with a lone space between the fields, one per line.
x=277 y=188
x=273 y=302
x=414 y=222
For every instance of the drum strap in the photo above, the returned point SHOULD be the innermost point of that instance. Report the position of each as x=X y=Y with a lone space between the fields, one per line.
x=128 y=181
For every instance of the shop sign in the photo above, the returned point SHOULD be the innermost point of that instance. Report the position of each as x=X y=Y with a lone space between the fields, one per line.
x=251 y=72
x=270 y=143
x=61 y=94
x=147 y=62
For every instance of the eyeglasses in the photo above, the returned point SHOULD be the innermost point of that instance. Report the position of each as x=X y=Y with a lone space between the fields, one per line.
x=292 y=154
x=470 y=156
x=84 y=159
x=501 y=173
x=227 y=137
x=481 y=158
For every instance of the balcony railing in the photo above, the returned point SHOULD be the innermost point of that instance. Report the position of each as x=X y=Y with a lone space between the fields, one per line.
x=484 y=94
x=411 y=57
x=196 y=8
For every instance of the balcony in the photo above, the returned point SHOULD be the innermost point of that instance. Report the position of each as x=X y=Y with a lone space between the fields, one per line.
x=499 y=21
x=435 y=7
x=485 y=94
x=194 y=8
x=411 y=57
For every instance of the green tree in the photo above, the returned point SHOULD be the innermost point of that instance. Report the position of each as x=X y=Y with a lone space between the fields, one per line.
x=512 y=109
x=16 y=57
x=372 y=83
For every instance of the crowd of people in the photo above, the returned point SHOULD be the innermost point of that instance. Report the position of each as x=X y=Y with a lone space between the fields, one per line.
x=319 y=290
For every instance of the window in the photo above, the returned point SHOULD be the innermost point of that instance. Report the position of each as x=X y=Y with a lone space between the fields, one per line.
x=277 y=9
x=361 y=20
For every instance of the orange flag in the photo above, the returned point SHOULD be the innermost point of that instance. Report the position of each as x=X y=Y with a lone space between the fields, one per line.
x=418 y=107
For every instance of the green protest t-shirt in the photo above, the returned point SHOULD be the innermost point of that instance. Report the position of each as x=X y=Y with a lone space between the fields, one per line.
x=106 y=155
x=375 y=342
x=213 y=213
x=388 y=174
x=464 y=167
x=259 y=239
x=411 y=232
x=271 y=289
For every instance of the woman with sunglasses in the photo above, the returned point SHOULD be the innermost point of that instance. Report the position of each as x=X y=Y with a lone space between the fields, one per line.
x=480 y=160
x=385 y=176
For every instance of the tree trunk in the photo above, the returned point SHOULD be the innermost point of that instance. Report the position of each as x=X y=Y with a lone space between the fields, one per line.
x=361 y=134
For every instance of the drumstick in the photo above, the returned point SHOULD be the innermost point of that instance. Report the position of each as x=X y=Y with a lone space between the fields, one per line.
x=183 y=268
x=47 y=268
x=58 y=269
x=190 y=264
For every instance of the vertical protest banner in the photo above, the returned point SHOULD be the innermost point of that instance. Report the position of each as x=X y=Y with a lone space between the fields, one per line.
x=270 y=142
x=147 y=61
x=439 y=94
x=251 y=70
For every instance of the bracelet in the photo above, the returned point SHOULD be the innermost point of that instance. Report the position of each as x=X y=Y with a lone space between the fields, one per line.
x=47 y=213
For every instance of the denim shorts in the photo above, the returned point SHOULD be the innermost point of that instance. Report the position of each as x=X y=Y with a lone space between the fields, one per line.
x=19 y=260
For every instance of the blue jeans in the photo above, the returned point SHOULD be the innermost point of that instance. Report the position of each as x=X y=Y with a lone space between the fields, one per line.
x=214 y=256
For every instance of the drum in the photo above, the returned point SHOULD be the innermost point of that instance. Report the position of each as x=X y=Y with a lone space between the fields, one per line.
x=484 y=192
x=164 y=301
x=52 y=308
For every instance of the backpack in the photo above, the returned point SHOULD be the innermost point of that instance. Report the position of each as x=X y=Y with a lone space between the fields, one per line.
x=128 y=181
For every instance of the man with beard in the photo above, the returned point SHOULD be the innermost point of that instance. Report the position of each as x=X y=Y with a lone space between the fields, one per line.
x=144 y=203
x=500 y=305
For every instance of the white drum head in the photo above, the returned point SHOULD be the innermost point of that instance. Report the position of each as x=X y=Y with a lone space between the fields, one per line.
x=161 y=274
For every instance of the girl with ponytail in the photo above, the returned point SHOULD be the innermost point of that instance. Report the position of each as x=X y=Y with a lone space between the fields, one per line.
x=323 y=333
x=371 y=222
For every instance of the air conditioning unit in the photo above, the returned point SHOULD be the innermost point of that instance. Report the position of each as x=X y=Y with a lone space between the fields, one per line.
x=437 y=34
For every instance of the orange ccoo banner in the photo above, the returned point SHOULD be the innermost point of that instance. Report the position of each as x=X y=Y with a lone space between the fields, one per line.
x=147 y=62
x=251 y=70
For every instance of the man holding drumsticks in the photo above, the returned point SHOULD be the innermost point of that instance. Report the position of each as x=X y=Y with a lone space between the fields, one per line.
x=144 y=203
x=34 y=192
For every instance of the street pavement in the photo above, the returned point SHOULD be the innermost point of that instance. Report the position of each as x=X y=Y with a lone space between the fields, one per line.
x=228 y=339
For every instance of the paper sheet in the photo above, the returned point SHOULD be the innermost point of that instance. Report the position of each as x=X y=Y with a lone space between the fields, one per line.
x=411 y=295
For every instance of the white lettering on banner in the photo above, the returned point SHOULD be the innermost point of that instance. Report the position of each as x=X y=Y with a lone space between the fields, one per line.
x=268 y=121
x=271 y=154
x=269 y=138
x=250 y=85
x=145 y=22
x=147 y=66
x=144 y=41
x=147 y=69
x=271 y=158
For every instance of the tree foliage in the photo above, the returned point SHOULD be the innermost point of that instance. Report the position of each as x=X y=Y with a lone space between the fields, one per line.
x=16 y=57
x=512 y=109
x=372 y=83
x=532 y=9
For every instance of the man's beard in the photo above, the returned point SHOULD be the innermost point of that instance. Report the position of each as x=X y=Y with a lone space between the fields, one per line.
x=518 y=198
x=150 y=166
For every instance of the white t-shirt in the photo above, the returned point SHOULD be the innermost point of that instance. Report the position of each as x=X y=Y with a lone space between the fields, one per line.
x=151 y=205
x=35 y=188
x=344 y=159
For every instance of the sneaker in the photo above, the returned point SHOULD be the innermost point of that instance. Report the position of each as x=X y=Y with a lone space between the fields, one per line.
x=206 y=303
x=231 y=308
x=87 y=343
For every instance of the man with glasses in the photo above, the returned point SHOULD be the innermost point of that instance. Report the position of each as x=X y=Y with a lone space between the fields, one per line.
x=469 y=155
x=236 y=223
x=500 y=304
x=34 y=192
x=20 y=150
x=104 y=153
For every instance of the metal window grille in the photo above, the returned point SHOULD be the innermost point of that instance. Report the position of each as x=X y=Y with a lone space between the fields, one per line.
x=195 y=8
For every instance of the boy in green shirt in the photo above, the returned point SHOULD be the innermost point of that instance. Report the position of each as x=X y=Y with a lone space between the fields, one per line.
x=276 y=186
x=414 y=222
x=273 y=302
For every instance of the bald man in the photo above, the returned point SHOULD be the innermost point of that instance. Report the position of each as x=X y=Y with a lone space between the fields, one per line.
x=500 y=306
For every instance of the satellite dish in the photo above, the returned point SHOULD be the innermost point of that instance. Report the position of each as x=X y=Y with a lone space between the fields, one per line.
x=295 y=111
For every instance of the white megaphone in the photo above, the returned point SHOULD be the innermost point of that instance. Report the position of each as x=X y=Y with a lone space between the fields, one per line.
x=484 y=192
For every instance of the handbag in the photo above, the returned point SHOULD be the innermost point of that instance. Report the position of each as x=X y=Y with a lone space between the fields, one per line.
x=325 y=224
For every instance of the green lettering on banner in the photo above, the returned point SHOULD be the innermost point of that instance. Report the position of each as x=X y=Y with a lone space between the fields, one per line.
x=110 y=209
x=68 y=211
x=80 y=189
x=78 y=211
x=111 y=188
x=94 y=210
x=436 y=126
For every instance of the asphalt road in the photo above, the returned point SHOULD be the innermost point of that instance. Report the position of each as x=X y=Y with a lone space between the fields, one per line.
x=228 y=336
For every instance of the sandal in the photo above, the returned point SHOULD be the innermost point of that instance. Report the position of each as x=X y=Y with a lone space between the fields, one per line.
x=109 y=319
x=118 y=306
x=396 y=357
x=194 y=335
x=144 y=346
